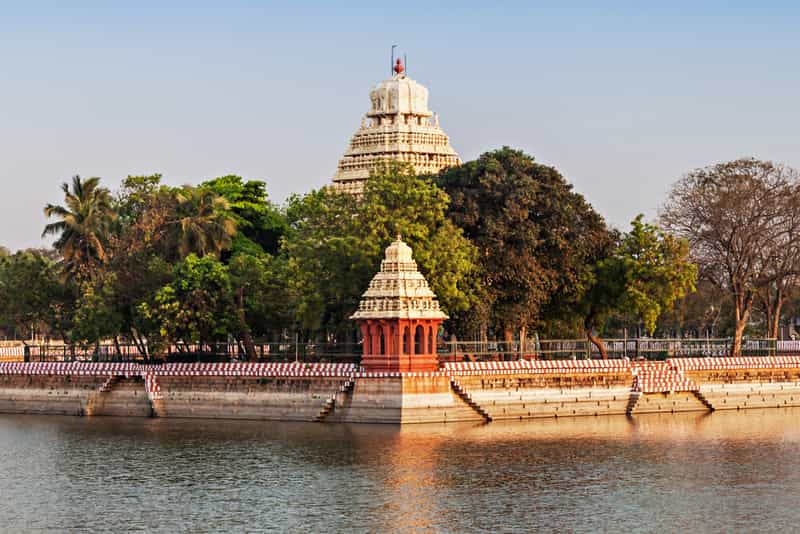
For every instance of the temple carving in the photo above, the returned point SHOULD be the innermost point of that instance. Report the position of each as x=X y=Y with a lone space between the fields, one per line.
x=400 y=127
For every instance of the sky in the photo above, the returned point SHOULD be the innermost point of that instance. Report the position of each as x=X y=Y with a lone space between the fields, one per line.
x=622 y=97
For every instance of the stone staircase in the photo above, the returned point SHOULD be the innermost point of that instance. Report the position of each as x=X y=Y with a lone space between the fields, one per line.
x=660 y=387
x=702 y=398
x=330 y=403
x=467 y=398
x=632 y=401
x=109 y=384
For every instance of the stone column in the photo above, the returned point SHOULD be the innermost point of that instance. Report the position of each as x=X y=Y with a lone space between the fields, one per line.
x=375 y=330
x=366 y=339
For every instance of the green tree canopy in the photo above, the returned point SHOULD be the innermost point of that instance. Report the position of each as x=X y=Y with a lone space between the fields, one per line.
x=536 y=237
x=196 y=305
x=82 y=226
x=260 y=224
x=200 y=223
x=31 y=295
x=647 y=272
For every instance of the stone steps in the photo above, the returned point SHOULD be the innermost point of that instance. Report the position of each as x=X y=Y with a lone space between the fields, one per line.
x=685 y=401
x=109 y=384
x=467 y=398
x=563 y=410
x=330 y=403
x=550 y=395
x=633 y=401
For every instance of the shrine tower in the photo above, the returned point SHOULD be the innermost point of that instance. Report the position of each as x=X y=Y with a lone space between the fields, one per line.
x=399 y=316
x=399 y=126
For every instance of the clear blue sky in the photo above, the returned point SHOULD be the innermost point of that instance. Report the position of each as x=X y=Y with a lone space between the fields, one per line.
x=622 y=97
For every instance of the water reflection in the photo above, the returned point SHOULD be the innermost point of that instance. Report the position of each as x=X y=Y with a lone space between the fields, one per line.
x=719 y=472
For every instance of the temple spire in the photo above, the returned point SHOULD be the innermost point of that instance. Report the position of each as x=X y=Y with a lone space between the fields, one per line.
x=398 y=127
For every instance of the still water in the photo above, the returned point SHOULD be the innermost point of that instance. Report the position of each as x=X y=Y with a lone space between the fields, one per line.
x=722 y=472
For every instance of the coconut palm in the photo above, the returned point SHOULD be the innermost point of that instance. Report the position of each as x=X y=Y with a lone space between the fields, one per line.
x=82 y=225
x=202 y=224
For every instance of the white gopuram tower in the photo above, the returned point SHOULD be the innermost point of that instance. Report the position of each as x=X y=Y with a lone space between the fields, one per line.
x=397 y=127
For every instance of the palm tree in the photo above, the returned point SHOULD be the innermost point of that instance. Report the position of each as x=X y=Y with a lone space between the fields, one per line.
x=202 y=224
x=82 y=225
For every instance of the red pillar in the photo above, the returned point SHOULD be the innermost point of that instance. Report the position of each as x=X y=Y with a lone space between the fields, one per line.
x=400 y=352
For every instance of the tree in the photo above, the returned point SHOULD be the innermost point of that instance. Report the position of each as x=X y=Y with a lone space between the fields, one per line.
x=82 y=225
x=647 y=272
x=698 y=314
x=782 y=261
x=31 y=295
x=658 y=272
x=260 y=224
x=196 y=305
x=200 y=224
x=534 y=234
x=96 y=315
x=138 y=266
x=261 y=297
x=734 y=216
x=136 y=196
x=336 y=241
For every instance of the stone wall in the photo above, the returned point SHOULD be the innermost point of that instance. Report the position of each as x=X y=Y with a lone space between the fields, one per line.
x=684 y=401
x=738 y=389
x=122 y=397
x=215 y=397
x=225 y=391
x=526 y=396
x=47 y=394
x=426 y=398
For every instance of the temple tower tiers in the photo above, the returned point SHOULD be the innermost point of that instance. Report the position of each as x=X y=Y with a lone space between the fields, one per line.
x=399 y=127
x=399 y=316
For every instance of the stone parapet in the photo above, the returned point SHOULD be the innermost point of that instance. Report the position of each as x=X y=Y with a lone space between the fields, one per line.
x=344 y=393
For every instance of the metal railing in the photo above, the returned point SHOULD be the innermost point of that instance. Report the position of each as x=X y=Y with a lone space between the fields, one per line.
x=194 y=352
x=576 y=349
x=551 y=349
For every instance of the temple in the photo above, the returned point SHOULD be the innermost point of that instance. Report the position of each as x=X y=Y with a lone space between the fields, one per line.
x=397 y=127
x=399 y=316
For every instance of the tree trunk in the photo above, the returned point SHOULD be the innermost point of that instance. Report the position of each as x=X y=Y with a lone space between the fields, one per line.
x=249 y=346
x=523 y=333
x=247 y=337
x=775 y=315
x=144 y=350
x=768 y=307
x=508 y=337
x=597 y=342
x=117 y=348
x=743 y=303
x=738 y=334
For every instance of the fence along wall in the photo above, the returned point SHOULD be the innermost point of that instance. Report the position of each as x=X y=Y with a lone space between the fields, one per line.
x=447 y=351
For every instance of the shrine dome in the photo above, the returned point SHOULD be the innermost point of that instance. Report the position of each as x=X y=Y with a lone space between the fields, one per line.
x=399 y=290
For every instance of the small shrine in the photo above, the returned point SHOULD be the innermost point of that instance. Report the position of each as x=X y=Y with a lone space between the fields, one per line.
x=399 y=316
x=399 y=127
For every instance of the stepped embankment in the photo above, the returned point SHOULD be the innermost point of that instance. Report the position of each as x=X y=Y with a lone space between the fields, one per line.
x=344 y=393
